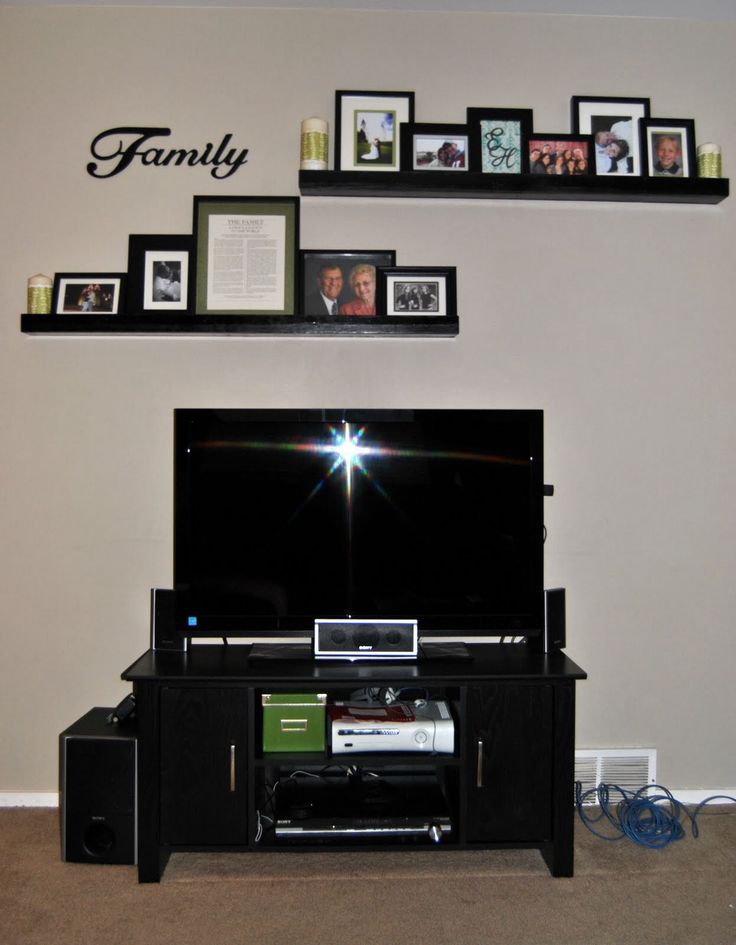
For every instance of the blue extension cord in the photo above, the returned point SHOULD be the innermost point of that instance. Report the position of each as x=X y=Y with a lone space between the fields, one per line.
x=640 y=815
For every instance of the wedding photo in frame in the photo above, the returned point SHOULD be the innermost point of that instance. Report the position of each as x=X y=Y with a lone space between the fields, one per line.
x=336 y=282
x=668 y=147
x=160 y=274
x=498 y=139
x=367 y=129
x=614 y=124
x=418 y=292
x=245 y=255
x=560 y=155
x=88 y=293
x=434 y=147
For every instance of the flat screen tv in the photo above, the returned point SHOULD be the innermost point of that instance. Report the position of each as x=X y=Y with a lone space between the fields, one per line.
x=284 y=516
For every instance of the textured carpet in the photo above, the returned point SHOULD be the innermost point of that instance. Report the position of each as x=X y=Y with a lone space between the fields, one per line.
x=622 y=894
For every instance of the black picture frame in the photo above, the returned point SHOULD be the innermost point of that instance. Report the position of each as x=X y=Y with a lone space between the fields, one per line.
x=88 y=293
x=557 y=146
x=498 y=139
x=681 y=131
x=367 y=129
x=160 y=274
x=243 y=233
x=425 y=293
x=599 y=115
x=424 y=147
x=352 y=302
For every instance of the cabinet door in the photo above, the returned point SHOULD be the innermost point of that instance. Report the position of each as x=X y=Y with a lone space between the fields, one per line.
x=203 y=766
x=509 y=751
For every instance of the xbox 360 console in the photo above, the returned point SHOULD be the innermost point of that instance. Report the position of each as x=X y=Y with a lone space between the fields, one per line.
x=360 y=727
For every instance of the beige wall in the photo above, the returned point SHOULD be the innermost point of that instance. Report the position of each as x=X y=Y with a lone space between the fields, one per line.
x=616 y=319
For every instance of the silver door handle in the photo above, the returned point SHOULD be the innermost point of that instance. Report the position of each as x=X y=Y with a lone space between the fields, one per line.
x=479 y=765
x=232 y=767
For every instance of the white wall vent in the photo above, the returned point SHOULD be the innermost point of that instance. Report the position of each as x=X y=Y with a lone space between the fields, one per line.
x=628 y=768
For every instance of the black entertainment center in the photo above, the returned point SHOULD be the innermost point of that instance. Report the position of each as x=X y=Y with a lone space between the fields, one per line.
x=381 y=519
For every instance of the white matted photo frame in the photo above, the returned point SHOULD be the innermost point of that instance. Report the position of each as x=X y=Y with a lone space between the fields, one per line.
x=335 y=282
x=668 y=147
x=367 y=129
x=160 y=274
x=614 y=124
x=245 y=255
x=434 y=147
x=88 y=293
x=418 y=292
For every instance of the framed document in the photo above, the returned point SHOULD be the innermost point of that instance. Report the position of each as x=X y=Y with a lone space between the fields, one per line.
x=246 y=253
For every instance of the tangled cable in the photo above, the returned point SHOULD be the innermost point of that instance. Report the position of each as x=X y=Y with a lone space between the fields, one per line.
x=649 y=819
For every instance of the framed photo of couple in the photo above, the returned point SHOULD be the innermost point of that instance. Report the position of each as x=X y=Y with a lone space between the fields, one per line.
x=367 y=129
x=614 y=125
x=335 y=282
x=428 y=147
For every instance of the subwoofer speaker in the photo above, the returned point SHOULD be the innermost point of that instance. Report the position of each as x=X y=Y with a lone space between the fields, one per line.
x=97 y=790
x=366 y=639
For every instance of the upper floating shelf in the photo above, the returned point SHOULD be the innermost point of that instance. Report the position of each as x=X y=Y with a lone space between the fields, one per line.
x=472 y=185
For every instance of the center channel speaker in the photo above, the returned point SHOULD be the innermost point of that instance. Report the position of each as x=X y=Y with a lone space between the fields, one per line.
x=97 y=790
x=366 y=639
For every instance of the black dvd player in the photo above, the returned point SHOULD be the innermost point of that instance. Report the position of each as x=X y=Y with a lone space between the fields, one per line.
x=317 y=808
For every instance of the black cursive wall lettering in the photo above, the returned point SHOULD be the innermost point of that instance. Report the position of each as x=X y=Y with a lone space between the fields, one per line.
x=119 y=147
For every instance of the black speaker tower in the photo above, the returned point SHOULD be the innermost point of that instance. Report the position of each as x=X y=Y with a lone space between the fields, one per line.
x=553 y=635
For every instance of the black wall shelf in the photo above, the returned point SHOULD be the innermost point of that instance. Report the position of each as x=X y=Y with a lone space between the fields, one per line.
x=251 y=325
x=471 y=185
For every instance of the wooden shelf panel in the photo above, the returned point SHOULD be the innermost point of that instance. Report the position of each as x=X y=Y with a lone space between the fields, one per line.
x=250 y=325
x=471 y=185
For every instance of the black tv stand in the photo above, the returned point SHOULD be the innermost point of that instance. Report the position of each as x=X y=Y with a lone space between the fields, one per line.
x=204 y=781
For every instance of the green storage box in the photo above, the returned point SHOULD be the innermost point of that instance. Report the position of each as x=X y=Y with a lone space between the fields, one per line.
x=294 y=721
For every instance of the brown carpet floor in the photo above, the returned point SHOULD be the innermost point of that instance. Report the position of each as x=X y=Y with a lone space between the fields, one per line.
x=622 y=894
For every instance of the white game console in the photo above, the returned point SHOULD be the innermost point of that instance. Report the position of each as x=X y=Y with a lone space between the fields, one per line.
x=365 y=727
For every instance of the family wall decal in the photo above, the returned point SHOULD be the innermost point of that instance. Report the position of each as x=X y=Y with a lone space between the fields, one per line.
x=117 y=148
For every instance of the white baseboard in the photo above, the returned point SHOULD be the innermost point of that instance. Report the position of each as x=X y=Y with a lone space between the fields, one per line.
x=21 y=799
x=51 y=798
x=720 y=795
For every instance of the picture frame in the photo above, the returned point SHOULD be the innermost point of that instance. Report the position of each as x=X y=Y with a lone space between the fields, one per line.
x=434 y=147
x=367 y=129
x=245 y=252
x=88 y=293
x=418 y=292
x=498 y=139
x=564 y=155
x=668 y=147
x=613 y=122
x=160 y=274
x=352 y=292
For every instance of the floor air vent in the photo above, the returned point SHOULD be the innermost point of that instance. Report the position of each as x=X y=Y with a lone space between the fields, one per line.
x=629 y=768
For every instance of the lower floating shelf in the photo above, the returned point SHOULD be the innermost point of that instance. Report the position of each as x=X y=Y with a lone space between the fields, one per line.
x=250 y=325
